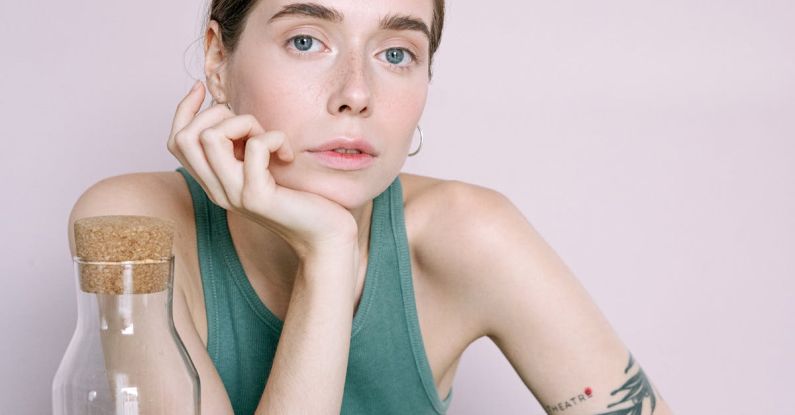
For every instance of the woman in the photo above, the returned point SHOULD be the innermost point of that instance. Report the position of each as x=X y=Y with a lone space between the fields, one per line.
x=313 y=276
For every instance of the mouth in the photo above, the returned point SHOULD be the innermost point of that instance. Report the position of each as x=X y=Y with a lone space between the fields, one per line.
x=346 y=146
x=347 y=151
x=343 y=159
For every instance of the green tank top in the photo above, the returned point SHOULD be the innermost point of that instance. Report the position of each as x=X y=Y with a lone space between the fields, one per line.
x=388 y=370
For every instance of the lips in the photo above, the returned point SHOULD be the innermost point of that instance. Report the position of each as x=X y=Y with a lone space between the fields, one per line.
x=346 y=144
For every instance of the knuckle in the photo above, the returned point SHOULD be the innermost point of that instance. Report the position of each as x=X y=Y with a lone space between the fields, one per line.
x=261 y=140
x=182 y=139
x=254 y=145
x=207 y=136
x=253 y=122
x=179 y=137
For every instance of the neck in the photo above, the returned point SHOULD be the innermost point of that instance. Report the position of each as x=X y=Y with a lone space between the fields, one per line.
x=264 y=254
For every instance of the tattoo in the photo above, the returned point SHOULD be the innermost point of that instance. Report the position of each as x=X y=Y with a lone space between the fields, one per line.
x=570 y=403
x=638 y=388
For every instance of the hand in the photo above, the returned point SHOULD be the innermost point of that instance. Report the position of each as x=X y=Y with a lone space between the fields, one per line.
x=228 y=155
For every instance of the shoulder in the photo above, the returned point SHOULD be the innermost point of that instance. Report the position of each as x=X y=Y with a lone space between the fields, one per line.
x=162 y=194
x=135 y=190
x=469 y=239
x=146 y=193
x=451 y=196
x=452 y=212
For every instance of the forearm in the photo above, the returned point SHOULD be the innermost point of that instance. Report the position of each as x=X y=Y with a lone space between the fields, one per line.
x=309 y=368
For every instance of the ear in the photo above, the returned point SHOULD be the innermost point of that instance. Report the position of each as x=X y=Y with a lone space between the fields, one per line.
x=215 y=58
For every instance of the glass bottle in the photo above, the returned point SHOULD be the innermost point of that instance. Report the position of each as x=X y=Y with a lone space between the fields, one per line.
x=125 y=356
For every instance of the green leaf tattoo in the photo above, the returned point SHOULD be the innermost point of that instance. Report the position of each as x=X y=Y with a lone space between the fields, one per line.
x=638 y=388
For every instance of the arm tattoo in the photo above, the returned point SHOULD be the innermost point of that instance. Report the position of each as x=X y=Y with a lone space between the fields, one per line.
x=638 y=388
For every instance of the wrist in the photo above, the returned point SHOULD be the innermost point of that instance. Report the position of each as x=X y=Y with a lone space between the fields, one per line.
x=334 y=260
x=328 y=246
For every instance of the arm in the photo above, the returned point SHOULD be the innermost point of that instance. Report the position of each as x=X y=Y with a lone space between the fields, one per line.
x=309 y=368
x=530 y=304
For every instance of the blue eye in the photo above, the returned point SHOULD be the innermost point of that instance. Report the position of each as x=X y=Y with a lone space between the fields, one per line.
x=397 y=57
x=303 y=43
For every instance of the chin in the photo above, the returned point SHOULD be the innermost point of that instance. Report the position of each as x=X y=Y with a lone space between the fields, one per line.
x=348 y=200
x=351 y=190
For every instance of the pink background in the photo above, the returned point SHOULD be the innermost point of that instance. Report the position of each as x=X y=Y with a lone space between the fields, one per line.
x=652 y=144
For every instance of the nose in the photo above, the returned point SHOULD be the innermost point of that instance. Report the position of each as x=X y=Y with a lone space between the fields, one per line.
x=352 y=92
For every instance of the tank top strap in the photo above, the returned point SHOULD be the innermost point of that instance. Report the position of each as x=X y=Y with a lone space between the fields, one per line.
x=409 y=302
x=391 y=335
x=205 y=212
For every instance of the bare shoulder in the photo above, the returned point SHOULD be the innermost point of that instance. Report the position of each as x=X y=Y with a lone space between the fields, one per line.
x=458 y=231
x=161 y=194
x=448 y=215
x=147 y=193
x=139 y=191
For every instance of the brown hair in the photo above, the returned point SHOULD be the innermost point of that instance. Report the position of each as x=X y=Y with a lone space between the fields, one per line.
x=231 y=17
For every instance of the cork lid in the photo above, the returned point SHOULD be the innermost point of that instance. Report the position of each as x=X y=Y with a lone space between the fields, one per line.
x=142 y=243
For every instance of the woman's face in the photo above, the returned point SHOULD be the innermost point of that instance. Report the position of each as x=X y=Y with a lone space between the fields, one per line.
x=320 y=73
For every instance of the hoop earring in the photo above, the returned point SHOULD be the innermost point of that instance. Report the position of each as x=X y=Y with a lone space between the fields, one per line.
x=414 y=153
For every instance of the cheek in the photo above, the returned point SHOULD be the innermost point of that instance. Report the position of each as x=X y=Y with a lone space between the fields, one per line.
x=280 y=99
x=404 y=99
x=401 y=112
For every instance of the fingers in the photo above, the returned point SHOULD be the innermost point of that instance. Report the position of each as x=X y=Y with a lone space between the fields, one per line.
x=187 y=108
x=184 y=143
x=209 y=144
x=206 y=119
x=258 y=183
x=217 y=145
x=191 y=152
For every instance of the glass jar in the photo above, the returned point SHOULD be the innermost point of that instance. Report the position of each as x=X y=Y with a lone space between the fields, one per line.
x=125 y=356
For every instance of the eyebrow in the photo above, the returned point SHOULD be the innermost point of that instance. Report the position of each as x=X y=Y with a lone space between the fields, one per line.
x=319 y=11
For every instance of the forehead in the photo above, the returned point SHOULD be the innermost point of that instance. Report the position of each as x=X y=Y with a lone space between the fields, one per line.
x=347 y=12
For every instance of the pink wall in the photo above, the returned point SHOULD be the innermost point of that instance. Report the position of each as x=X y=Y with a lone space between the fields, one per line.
x=653 y=145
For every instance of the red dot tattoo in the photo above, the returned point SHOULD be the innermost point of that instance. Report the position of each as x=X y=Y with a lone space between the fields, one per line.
x=588 y=391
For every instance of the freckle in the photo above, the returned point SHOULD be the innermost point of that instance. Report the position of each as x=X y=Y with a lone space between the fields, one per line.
x=588 y=391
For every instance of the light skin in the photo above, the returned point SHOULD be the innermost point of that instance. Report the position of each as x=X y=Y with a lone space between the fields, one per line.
x=278 y=88
x=528 y=302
